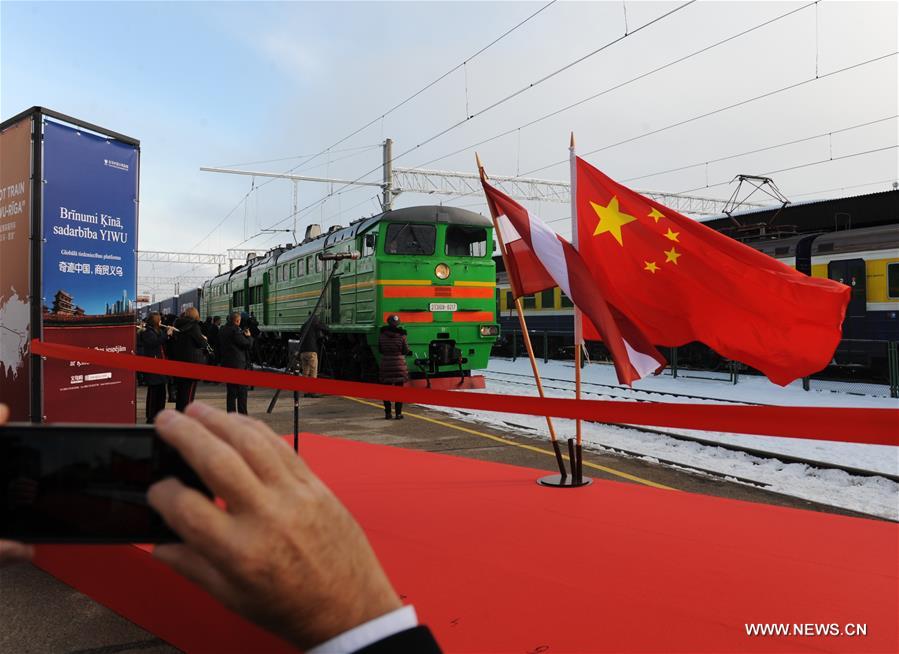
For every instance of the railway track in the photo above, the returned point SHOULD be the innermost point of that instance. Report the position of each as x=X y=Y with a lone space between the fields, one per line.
x=622 y=393
x=625 y=393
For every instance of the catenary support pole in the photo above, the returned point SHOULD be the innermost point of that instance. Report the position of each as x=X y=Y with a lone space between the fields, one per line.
x=387 y=199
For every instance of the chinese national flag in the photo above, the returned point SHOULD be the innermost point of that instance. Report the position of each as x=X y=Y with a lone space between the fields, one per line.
x=680 y=281
x=537 y=258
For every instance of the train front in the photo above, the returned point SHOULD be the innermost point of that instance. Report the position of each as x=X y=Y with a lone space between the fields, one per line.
x=436 y=272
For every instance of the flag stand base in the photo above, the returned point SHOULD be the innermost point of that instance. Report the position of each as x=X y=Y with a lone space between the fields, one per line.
x=558 y=481
x=564 y=480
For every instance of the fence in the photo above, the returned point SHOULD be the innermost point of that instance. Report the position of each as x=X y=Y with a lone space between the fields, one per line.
x=863 y=367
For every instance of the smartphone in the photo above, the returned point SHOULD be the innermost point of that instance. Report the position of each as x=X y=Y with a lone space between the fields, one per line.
x=83 y=483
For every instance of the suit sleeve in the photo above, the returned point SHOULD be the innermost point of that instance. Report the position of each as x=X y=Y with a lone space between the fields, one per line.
x=418 y=639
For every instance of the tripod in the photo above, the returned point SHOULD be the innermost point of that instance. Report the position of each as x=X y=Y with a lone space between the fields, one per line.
x=293 y=354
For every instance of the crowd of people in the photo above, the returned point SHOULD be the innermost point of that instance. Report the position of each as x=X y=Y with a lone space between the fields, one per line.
x=190 y=340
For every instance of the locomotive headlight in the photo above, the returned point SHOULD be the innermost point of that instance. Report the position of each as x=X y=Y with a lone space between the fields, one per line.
x=442 y=271
x=489 y=330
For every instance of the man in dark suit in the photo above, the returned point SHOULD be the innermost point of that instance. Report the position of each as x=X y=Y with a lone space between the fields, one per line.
x=234 y=344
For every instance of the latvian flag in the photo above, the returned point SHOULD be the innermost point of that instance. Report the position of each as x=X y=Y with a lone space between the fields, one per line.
x=538 y=259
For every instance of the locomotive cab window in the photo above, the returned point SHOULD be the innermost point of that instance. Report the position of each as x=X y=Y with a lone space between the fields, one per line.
x=406 y=238
x=368 y=244
x=893 y=280
x=462 y=241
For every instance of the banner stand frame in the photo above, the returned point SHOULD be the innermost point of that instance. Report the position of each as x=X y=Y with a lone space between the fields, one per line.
x=37 y=114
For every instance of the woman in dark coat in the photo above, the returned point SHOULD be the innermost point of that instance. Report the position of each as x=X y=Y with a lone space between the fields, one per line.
x=190 y=347
x=393 y=347
x=151 y=340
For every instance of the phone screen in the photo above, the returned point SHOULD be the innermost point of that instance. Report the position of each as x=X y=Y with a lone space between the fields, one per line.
x=84 y=483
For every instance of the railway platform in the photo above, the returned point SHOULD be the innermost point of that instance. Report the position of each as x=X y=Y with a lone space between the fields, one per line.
x=32 y=622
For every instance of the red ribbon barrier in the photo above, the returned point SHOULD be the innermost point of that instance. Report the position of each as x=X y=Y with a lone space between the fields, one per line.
x=871 y=426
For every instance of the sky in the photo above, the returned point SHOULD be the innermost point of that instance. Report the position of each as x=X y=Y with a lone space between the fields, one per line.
x=258 y=85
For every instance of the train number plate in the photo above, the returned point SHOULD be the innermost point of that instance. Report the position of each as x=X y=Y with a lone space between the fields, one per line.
x=443 y=306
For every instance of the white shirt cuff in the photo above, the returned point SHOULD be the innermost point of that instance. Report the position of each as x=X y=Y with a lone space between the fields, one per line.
x=369 y=632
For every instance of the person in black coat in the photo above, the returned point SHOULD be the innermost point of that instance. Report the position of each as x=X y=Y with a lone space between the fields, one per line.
x=234 y=344
x=151 y=342
x=190 y=347
x=393 y=347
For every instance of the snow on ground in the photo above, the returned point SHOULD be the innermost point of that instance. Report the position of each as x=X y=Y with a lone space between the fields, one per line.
x=874 y=495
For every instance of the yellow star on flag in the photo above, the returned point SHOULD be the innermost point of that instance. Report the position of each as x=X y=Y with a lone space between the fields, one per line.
x=672 y=236
x=655 y=214
x=671 y=256
x=611 y=219
x=651 y=266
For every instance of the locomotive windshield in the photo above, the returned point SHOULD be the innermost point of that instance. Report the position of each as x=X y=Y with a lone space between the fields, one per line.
x=462 y=241
x=407 y=238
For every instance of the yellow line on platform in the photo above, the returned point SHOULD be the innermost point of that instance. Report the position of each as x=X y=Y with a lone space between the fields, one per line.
x=505 y=441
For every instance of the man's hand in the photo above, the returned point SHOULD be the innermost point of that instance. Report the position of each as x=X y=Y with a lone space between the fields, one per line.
x=285 y=553
x=11 y=551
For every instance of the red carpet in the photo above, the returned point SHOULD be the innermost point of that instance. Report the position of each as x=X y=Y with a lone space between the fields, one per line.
x=495 y=563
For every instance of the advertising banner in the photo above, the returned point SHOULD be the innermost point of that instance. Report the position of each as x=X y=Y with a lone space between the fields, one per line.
x=15 y=284
x=89 y=271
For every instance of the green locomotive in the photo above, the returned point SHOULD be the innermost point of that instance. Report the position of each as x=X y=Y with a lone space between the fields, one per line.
x=432 y=266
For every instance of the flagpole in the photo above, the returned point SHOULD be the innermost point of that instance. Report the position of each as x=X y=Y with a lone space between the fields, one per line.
x=524 y=329
x=577 y=470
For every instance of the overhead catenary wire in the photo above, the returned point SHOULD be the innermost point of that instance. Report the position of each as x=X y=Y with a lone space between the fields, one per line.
x=429 y=85
x=499 y=102
x=744 y=154
x=845 y=188
x=805 y=165
x=599 y=94
x=763 y=149
x=719 y=110
x=296 y=156
x=796 y=167
x=382 y=116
